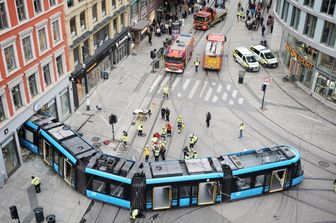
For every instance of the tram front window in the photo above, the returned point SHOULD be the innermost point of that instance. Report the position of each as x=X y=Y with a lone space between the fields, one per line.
x=176 y=60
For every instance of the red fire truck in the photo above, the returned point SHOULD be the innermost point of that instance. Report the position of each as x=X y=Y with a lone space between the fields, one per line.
x=208 y=17
x=213 y=54
x=179 y=54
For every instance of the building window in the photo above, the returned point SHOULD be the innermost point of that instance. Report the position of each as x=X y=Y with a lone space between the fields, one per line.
x=70 y=3
x=52 y=3
x=103 y=7
x=143 y=4
x=56 y=31
x=43 y=43
x=295 y=18
x=47 y=74
x=284 y=10
x=37 y=6
x=17 y=98
x=309 y=3
x=27 y=48
x=10 y=58
x=328 y=6
x=73 y=26
x=76 y=55
x=329 y=34
x=115 y=25
x=122 y=20
x=94 y=12
x=20 y=8
x=134 y=9
x=2 y=108
x=82 y=20
x=32 y=85
x=65 y=102
x=3 y=16
x=310 y=25
x=114 y=4
x=10 y=155
x=59 y=65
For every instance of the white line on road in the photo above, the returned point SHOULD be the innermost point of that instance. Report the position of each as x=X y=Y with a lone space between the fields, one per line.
x=176 y=82
x=214 y=83
x=224 y=96
x=204 y=86
x=228 y=87
x=310 y=118
x=162 y=84
x=179 y=95
x=240 y=100
x=234 y=93
x=214 y=99
x=219 y=88
x=207 y=96
x=154 y=83
x=231 y=102
x=186 y=83
x=194 y=89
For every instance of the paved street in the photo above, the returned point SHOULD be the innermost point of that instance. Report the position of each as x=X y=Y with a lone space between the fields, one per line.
x=291 y=116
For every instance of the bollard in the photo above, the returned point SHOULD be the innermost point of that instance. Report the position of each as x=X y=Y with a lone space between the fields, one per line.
x=39 y=217
x=51 y=218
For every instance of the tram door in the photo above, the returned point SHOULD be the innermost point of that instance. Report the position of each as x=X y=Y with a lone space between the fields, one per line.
x=46 y=152
x=162 y=197
x=278 y=180
x=68 y=172
x=207 y=193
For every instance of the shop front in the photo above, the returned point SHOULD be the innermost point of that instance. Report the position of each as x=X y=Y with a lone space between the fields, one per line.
x=87 y=77
x=10 y=155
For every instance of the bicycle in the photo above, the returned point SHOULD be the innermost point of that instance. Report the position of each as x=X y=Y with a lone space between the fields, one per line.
x=290 y=77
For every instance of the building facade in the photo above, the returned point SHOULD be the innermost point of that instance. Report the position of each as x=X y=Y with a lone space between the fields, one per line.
x=34 y=71
x=308 y=45
x=99 y=39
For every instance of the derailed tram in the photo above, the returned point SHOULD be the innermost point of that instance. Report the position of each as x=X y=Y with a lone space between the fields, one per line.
x=159 y=185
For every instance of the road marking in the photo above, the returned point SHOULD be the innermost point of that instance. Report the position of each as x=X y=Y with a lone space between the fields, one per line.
x=228 y=87
x=224 y=97
x=175 y=83
x=305 y=116
x=204 y=86
x=179 y=95
x=219 y=88
x=214 y=83
x=165 y=80
x=214 y=99
x=192 y=92
x=231 y=102
x=207 y=96
x=154 y=83
x=234 y=93
x=240 y=100
x=186 y=83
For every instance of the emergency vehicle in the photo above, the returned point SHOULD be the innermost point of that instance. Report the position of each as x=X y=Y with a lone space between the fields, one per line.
x=179 y=54
x=208 y=17
x=213 y=54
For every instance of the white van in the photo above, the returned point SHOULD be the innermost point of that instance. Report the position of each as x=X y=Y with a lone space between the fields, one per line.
x=246 y=58
x=264 y=56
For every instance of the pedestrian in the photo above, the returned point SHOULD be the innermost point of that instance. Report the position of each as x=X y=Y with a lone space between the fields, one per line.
x=207 y=119
x=241 y=128
x=163 y=151
x=179 y=124
x=271 y=26
x=156 y=152
x=268 y=7
x=194 y=155
x=169 y=128
x=192 y=141
x=163 y=113
x=88 y=103
x=124 y=139
x=37 y=184
x=262 y=21
x=185 y=151
x=167 y=114
x=150 y=38
x=196 y=63
x=263 y=30
x=163 y=133
x=165 y=92
x=146 y=153
x=140 y=128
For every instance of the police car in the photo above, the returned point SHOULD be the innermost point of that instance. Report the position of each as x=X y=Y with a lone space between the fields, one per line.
x=246 y=58
x=264 y=56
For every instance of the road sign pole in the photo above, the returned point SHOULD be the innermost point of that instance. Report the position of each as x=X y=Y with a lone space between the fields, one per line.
x=113 y=132
x=263 y=100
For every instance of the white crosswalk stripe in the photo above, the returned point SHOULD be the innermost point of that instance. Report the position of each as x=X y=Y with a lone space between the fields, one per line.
x=231 y=102
x=154 y=83
x=219 y=88
x=186 y=83
x=224 y=97
x=204 y=86
x=214 y=99
x=192 y=92
x=165 y=80
x=240 y=101
x=234 y=93
x=228 y=87
x=175 y=83
x=179 y=95
x=207 y=96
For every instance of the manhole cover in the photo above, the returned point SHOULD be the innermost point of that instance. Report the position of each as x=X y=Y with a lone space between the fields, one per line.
x=324 y=164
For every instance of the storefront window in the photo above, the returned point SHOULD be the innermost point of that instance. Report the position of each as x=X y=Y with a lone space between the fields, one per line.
x=65 y=102
x=9 y=152
x=93 y=78
x=326 y=63
x=325 y=87
x=80 y=84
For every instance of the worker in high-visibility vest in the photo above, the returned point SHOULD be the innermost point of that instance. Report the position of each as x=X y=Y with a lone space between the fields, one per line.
x=140 y=128
x=156 y=152
x=179 y=124
x=146 y=153
x=124 y=139
x=134 y=214
x=165 y=91
x=37 y=184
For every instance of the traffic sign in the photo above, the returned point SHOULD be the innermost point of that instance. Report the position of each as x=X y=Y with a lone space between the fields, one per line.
x=267 y=80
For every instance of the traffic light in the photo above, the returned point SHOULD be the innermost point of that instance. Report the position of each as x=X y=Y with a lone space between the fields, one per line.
x=14 y=212
x=153 y=54
x=113 y=119
x=263 y=87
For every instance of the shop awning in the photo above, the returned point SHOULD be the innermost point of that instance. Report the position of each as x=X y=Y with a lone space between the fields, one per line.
x=142 y=24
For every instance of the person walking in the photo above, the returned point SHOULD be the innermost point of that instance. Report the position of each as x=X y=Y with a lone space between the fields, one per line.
x=196 y=63
x=163 y=133
x=167 y=114
x=192 y=141
x=262 y=21
x=163 y=151
x=163 y=113
x=156 y=152
x=263 y=30
x=185 y=151
x=37 y=184
x=169 y=128
x=124 y=139
x=146 y=153
x=194 y=155
x=241 y=128
x=140 y=128
x=179 y=124
x=165 y=92
x=149 y=37
x=88 y=102
x=207 y=119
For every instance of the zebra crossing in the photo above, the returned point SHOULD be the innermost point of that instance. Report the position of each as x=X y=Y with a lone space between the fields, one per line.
x=194 y=89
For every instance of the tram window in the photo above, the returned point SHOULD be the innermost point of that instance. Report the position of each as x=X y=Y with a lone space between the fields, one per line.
x=149 y=195
x=117 y=190
x=184 y=191
x=175 y=193
x=194 y=192
x=268 y=179
x=56 y=157
x=29 y=135
x=298 y=169
x=243 y=183
x=259 y=180
x=98 y=186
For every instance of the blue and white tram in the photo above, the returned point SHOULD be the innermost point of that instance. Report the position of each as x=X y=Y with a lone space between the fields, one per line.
x=160 y=185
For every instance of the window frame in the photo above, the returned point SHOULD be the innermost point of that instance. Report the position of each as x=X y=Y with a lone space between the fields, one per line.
x=80 y=20
x=42 y=8
x=328 y=7
x=58 y=20
x=62 y=54
x=55 y=3
x=7 y=16
x=103 y=12
x=24 y=9
x=4 y=104
x=45 y=26
x=14 y=83
x=23 y=36
x=96 y=18
x=10 y=42
x=49 y=62
x=101 y=182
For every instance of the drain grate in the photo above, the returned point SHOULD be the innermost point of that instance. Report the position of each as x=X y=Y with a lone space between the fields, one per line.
x=324 y=164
